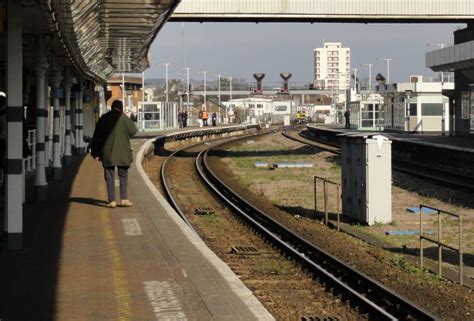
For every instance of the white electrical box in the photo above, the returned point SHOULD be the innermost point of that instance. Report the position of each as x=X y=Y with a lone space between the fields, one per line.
x=366 y=166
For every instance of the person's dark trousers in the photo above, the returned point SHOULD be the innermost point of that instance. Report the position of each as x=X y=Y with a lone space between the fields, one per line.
x=214 y=123
x=348 y=124
x=109 y=173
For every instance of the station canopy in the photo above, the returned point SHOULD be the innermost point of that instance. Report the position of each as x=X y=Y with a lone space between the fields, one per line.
x=107 y=36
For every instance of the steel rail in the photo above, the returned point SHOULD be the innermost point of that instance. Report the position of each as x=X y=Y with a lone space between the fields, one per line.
x=167 y=188
x=364 y=292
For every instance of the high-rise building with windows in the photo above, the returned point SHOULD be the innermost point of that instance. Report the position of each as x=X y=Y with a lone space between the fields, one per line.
x=332 y=66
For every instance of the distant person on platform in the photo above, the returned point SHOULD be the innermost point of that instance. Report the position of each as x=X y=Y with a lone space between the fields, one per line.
x=214 y=119
x=185 y=118
x=205 y=117
x=347 y=116
x=111 y=145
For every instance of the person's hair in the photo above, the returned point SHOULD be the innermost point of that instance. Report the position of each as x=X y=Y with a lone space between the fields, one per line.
x=117 y=104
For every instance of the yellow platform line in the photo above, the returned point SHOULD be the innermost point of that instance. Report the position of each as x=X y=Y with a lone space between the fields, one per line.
x=122 y=295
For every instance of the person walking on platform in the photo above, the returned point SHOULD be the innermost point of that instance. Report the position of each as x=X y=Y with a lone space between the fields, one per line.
x=111 y=145
x=214 y=119
x=347 y=116
x=204 y=117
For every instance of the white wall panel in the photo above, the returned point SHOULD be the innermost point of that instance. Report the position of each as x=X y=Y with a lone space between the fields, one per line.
x=389 y=8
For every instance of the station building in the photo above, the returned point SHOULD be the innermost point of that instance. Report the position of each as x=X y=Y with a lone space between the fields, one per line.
x=416 y=106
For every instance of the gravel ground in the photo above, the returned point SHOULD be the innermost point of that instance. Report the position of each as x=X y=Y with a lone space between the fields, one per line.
x=288 y=194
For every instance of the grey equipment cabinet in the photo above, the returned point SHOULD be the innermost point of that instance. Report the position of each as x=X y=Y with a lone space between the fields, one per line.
x=366 y=169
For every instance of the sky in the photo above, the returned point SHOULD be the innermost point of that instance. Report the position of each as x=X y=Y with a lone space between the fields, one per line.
x=240 y=49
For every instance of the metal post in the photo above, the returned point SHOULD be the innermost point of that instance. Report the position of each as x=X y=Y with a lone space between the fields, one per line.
x=79 y=139
x=421 y=240
x=143 y=87
x=67 y=98
x=57 y=166
x=440 y=247
x=47 y=146
x=123 y=90
x=326 y=219
x=205 y=83
x=461 y=269
x=166 y=76
x=14 y=169
x=187 y=94
x=338 y=196
x=77 y=96
x=315 y=197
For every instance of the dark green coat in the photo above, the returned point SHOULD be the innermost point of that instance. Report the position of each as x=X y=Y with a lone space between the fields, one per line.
x=111 y=141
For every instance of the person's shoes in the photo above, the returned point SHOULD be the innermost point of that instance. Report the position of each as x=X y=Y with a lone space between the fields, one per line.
x=112 y=205
x=126 y=203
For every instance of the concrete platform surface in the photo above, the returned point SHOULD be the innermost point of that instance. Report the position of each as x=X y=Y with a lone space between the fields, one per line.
x=83 y=261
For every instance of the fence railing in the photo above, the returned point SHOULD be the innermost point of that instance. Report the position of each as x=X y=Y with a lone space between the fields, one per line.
x=439 y=242
x=326 y=183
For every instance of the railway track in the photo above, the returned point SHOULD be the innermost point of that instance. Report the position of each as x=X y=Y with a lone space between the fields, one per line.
x=443 y=176
x=363 y=293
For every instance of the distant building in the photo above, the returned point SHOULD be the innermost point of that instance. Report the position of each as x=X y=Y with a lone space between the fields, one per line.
x=416 y=106
x=133 y=92
x=332 y=67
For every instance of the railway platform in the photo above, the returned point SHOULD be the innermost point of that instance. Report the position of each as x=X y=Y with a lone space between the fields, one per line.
x=83 y=261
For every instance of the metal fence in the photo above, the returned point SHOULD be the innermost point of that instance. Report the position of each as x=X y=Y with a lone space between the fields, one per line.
x=439 y=242
x=326 y=183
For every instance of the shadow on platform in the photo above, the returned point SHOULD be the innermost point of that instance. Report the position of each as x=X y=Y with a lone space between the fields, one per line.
x=29 y=277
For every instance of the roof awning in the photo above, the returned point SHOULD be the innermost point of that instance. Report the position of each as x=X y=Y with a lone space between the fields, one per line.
x=103 y=37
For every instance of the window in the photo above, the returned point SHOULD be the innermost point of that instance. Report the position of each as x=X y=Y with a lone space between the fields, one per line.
x=432 y=109
x=259 y=105
x=251 y=105
x=281 y=108
x=413 y=109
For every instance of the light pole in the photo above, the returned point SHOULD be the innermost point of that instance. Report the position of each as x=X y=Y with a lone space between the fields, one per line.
x=230 y=86
x=355 y=79
x=370 y=75
x=388 y=67
x=219 y=89
x=187 y=89
x=442 y=45
x=205 y=85
x=123 y=89
x=166 y=80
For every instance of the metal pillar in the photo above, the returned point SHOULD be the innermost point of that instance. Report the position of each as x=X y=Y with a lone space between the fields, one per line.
x=67 y=97
x=57 y=166
x=77 y=96
x=41 y=185
x=47 y=104
x=14 y=161
x=80 y=119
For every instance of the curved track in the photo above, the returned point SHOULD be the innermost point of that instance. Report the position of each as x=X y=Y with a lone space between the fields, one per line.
x=363 y=293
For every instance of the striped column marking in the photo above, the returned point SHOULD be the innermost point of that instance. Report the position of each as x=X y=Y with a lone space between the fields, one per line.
x=67 y=97
x=131 y=227
x=57 y=165
x=41 y=185
x=164 y=302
